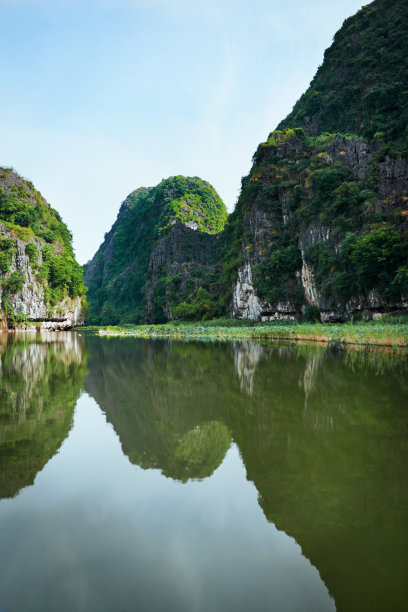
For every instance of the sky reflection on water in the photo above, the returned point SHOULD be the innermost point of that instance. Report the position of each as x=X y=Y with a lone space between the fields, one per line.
x=201 y=476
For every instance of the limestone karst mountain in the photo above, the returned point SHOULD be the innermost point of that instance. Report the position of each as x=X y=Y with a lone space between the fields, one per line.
x=320 y=228
x=161 y=249
x=40 y=280
x=324 y=206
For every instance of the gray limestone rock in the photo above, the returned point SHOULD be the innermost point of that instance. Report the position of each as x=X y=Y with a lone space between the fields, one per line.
x=29 y=301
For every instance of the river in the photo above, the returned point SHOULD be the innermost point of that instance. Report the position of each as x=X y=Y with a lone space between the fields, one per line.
x=192 y=476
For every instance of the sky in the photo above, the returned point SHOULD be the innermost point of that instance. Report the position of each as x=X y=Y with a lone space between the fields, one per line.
x=100 y=97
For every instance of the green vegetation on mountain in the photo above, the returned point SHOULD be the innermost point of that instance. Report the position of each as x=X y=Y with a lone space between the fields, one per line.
x=361 y=87
x=308 y=184
x=320 y=228
x=189 y=200
x=148 y=220
x=26 y=216
x=327 y=190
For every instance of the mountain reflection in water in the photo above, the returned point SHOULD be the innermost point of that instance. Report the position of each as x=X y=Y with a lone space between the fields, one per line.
x=41 y=377
x=322 y=434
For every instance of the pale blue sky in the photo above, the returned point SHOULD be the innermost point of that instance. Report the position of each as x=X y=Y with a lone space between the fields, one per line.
x=100 y=97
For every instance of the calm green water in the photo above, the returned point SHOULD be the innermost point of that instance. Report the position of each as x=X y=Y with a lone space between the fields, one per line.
x=144 y=475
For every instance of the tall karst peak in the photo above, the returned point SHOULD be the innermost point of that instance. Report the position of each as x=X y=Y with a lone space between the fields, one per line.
x=40 y=280
x=157 y=251
x=320 y=229
x=361 y=87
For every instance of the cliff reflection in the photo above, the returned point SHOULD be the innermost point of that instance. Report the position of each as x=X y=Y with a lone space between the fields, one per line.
x=162 y=403
x=325 y=443
x=323 y=435
x=41 y=377
x=247 y=355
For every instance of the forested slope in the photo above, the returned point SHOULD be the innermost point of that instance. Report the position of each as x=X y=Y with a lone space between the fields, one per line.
x=40 y=279
x=320 y=229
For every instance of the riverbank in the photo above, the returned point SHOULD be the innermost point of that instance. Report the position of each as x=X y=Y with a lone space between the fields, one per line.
x=387 y=332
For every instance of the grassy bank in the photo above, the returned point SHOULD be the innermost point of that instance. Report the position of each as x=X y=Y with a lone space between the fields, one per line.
x=386 y=332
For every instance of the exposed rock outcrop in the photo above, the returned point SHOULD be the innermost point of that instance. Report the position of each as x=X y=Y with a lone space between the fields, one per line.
x=321 y=224
x=186 y=256
x=40 y=281
x=162 y=248
x=313 y=213
x=29 y=303
x=245 y=302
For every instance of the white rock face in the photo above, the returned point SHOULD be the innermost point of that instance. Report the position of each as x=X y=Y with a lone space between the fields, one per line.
x=245 y=303
x=192 y=225
x=308 y=282
x=30 y=300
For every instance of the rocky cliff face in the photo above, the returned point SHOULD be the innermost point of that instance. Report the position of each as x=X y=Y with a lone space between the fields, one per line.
x=324 y=208
x=161 y=250
x=321 y=225
x=186 y=259
x=321 y=216
x=40 y=281
x=29 y=304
